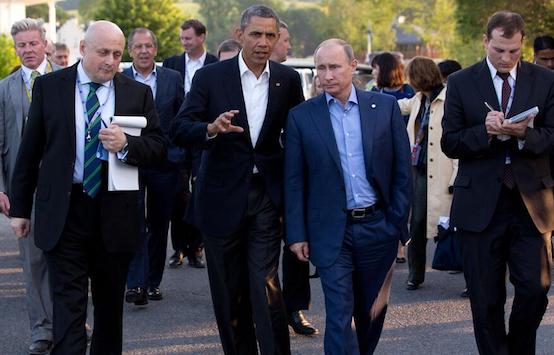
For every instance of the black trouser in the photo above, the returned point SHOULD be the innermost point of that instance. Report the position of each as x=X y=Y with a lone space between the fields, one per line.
x=296 y=282
x=510 y=239
x=244 y=283
x=184 y=236
x=80 y=254
x=418 y=229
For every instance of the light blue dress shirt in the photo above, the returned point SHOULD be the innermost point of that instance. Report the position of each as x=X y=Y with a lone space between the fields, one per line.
x=348 y=135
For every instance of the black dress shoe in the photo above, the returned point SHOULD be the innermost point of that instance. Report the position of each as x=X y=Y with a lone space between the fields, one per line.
x=300 y=324
x=410 y=286
x=465 y=293
x=197 y=261
x=155 y=294
x=40 y=347
x=176 y=259
x=136 y=295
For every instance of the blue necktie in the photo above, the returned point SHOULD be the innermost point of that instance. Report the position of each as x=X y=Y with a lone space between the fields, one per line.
x=92 y=177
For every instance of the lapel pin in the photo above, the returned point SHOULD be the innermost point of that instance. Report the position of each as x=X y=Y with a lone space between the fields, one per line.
x=277 y=84
x=373 y=105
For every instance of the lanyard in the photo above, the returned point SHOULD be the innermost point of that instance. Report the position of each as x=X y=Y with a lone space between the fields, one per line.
x=97 y=114
x=28 y=88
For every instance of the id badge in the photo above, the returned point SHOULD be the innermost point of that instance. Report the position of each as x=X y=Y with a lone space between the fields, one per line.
x=416 y=149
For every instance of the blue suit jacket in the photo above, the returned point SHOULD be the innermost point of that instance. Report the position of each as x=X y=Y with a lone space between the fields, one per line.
x=169 y=97
x=315 y=197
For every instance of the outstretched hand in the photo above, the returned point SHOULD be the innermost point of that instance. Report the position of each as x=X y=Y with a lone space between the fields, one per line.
x=222 y=124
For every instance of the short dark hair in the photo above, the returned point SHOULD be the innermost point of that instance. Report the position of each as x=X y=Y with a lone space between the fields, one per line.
x=199 y=28
x=130 y=39
x=424 y=74
x=543 y=42
x=391 y=71
x=61 y=46
x=508 y=22
x=258 y=11
x=228 y=45
x=448 y=67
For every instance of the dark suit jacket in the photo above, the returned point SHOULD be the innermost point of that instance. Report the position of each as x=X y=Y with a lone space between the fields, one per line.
x=315 y=197
x=482 y=163
x=223 y=179
x=177 y=62
x=47 y=157
x=169 y=98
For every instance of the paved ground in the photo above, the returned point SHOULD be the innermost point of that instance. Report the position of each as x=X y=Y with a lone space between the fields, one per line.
x=431 y=320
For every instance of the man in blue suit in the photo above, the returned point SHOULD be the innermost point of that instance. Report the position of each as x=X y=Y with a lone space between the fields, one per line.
x=347 y=196
x=160 y=180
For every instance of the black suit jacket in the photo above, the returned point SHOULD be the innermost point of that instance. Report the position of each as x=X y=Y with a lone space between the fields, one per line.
x=482 y=162
x=226 y=165
x=47 y=157
x=177 y=62
x=169 y=98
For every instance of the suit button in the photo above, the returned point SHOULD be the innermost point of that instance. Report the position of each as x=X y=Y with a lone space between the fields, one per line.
x=430 y=143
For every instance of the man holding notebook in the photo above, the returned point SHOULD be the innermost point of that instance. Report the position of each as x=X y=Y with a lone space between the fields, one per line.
x=503 y=204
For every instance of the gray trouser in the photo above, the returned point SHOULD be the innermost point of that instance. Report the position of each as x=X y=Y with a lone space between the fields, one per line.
x=39 y=297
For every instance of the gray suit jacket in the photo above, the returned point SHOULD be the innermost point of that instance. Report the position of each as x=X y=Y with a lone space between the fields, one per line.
x=14 y=106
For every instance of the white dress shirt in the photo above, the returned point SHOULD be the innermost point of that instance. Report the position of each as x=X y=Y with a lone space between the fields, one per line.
x=106 y=97
x=255 y=92
x=497 y=82
x=191 y=66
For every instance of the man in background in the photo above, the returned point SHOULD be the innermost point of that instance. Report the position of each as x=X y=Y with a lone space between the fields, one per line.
x=16 y=91
x=296 y=273
x=61 y=55
x=186 y=240
x=543 y=47
x=160 y=180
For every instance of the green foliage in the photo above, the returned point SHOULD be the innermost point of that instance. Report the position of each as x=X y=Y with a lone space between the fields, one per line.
x=41 y=11
x=160 y=16
x=8 y=59
x=308 y=27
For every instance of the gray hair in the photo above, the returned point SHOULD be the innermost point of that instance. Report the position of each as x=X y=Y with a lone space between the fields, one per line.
x=283 y=24
x=229 y=45
x=345 y=45
x=130 y=39
x=29 y=24
x=258 y=11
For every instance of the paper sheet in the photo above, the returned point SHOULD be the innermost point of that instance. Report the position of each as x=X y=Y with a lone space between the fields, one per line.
x=123 y=177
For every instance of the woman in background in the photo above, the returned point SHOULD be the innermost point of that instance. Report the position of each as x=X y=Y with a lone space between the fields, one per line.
x=434 y=172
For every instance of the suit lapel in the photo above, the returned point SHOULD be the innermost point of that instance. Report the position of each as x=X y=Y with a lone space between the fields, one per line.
x=161 y=85
x=67 y=98
x=486 y=86
x=119 y=92
x=368 y=112
x=233 y=92
x=20 y=101
x=524 y=82
x=322 y=123
x=274 y=95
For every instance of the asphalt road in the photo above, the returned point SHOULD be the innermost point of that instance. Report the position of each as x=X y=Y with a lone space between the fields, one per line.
x=431 y=320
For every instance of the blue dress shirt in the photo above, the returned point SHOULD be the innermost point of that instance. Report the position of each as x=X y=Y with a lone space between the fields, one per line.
x=348 y=135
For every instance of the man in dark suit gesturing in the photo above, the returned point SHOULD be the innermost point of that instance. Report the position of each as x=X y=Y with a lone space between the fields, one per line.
x=347 y=196
x=236 y=110
x=85 y=230
x=503 y=204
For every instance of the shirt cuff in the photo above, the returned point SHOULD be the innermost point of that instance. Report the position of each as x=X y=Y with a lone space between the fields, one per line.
x=520 y=143
x=122 y=154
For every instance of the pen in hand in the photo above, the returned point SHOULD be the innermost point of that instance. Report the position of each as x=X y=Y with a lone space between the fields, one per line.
x=488 y=106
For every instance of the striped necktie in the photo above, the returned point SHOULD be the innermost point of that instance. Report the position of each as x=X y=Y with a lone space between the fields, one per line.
x=93 y=166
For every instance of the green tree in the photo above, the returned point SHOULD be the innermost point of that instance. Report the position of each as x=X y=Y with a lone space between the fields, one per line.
x=41 y=11
x=307 y=26
x=8 y=59
x=160 y=16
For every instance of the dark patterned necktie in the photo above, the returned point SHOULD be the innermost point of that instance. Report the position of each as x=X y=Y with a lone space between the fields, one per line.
x=508 y=178
x=93 y=165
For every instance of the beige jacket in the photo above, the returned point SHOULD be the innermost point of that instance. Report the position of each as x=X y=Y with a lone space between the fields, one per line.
x=441 y=170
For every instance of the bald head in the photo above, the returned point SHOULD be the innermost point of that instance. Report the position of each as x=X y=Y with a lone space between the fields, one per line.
x=102 y=49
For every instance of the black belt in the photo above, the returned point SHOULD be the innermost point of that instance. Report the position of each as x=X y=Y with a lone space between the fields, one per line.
x=363 y=211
